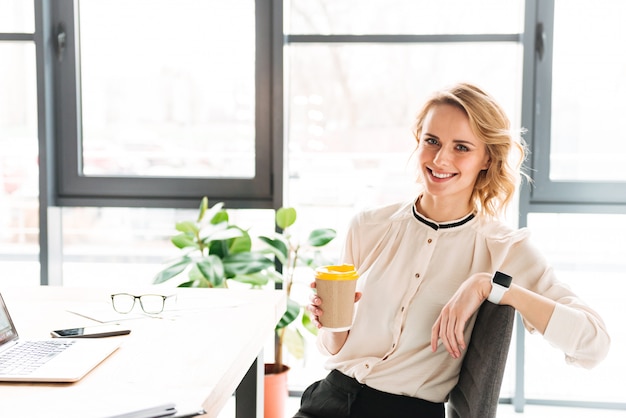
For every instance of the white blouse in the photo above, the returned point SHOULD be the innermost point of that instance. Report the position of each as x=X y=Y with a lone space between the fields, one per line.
x=410 y=267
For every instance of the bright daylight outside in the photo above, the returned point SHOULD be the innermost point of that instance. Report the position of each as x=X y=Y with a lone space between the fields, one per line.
x=348 y=115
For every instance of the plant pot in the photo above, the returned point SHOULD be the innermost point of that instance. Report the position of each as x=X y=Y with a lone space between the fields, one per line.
x=275 y=392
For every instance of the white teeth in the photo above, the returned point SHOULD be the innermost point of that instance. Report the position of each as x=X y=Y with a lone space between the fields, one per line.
x=441 y=175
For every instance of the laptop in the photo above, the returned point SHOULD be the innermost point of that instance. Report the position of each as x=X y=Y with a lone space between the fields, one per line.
x=64 y=359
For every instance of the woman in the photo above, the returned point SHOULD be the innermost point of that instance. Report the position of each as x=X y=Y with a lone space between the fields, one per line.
x=427 y=265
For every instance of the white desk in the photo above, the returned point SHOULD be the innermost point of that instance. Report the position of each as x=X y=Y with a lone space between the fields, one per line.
x=195 y=358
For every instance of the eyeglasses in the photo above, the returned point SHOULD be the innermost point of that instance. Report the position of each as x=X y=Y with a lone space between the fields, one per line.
x=151 y=304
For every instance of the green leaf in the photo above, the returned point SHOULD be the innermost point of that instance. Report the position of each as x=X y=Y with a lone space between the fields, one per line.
x=218 y=248
x=188 y=284
x=294 y=341
x=321 y=237
x=188 y=227
x=241 y=243
x=292 y=312
x=285 y=217
x=196 y=277
x=184 y=241
x=221 y=216
x=224 y=234
x=204 y=204
x=172 y=271
x=212 y=270
x=245 y=263
x=212 y=213
x=256 y=280
x=277 y=246
x=308 y=324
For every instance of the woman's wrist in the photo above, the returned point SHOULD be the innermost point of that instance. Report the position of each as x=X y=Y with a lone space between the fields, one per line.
x=483 y=283
x=333 y=341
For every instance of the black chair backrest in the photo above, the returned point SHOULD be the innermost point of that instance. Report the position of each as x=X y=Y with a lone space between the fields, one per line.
x=477 y=392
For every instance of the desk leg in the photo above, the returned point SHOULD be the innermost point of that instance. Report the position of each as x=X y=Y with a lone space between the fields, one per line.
x=249 y=393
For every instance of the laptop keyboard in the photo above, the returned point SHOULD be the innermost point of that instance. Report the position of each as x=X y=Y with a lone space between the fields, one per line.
x=27 y=357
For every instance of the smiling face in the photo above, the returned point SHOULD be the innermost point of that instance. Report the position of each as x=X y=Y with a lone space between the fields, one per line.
x=450 y=157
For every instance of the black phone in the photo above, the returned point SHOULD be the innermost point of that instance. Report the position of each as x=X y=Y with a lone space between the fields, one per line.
x=95 y=331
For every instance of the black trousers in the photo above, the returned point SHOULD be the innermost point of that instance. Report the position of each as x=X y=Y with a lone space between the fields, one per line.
x=340 y=396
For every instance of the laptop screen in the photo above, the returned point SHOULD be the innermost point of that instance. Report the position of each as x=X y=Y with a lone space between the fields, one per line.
x=7 y=329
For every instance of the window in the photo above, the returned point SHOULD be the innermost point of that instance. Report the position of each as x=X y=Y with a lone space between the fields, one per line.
x=576 y=204
x=163 y=103
x=578 y=155
x=591 y=262
x=19 y=180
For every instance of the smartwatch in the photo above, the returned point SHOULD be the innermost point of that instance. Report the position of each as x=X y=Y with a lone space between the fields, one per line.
x=500 y=284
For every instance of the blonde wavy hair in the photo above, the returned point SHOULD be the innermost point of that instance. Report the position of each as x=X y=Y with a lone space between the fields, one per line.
x=494 y=187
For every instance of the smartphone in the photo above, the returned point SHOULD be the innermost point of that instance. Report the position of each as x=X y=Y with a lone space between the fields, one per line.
x=95 y=331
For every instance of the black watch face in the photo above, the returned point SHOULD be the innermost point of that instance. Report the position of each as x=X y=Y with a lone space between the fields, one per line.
x=502 y=279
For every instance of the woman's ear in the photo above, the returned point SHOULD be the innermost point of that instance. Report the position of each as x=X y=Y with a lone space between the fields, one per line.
x=487 y=163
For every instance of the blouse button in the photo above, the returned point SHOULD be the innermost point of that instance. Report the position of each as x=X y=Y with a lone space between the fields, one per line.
x=430 y=240
x=367 y=366
x=417 y=275
x=402 y=309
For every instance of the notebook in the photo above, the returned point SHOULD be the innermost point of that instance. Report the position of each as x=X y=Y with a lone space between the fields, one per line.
x=64 y=360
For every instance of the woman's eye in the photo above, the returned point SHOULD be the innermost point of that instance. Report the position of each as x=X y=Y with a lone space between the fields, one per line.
x=431 y=141
x=462 y=148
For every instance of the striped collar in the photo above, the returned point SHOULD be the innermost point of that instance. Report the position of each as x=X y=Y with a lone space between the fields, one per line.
x=437 y=226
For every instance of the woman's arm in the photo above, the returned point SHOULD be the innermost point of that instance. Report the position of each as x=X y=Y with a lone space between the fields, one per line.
x=536 y=309
x=572 y=326
x=449 y=326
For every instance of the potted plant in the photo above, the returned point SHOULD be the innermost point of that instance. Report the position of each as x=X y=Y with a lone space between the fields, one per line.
x=215 y=251
x=291 y=253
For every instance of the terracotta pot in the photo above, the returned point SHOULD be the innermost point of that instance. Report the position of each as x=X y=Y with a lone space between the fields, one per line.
x=276 y=392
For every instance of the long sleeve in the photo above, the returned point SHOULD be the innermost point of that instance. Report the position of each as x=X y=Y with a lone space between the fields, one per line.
x=574 y=328
x=409 y=269
x=579 y=333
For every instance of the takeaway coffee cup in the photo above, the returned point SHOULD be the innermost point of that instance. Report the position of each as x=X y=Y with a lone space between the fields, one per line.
x=336 y=286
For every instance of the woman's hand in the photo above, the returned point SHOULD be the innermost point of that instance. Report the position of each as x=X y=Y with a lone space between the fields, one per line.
x=315 y=309
x=450 y=325
x=315 y=306
x=333 y=341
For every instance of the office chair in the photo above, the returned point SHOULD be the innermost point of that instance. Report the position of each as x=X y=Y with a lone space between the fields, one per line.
x=477 y=392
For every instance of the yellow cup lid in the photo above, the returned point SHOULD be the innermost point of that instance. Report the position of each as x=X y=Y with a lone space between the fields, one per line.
x=340 y=272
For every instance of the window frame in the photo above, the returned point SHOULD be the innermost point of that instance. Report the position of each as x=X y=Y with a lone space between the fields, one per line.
x=71 y=188
x=594 y=196
x=540 y=194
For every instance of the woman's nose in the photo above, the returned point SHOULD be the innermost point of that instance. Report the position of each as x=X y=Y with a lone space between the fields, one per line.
x=442 y=157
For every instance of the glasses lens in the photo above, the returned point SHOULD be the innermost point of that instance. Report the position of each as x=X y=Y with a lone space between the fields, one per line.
x=123 y=302
x=152 y=304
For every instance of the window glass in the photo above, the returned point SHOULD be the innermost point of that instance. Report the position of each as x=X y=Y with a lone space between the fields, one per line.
x=591 y=262
x=17 y=16
x=404 y=17
x=588 y=86
x=168 y=90
x=122 y=247
x=19 y=171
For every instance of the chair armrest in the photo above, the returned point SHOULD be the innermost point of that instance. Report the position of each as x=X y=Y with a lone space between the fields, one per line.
x=477 y=392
